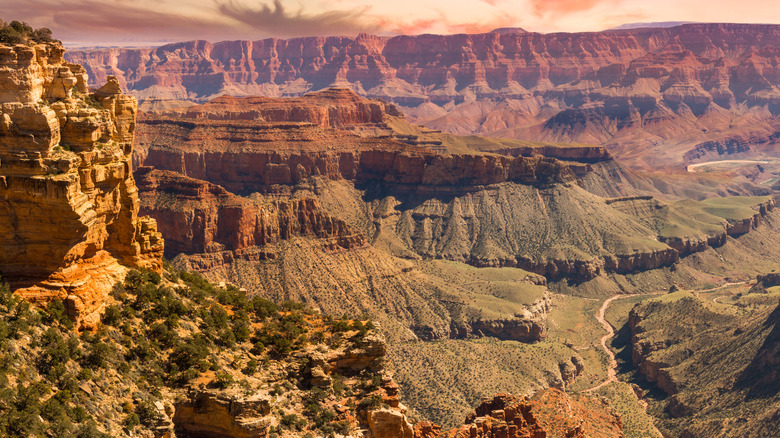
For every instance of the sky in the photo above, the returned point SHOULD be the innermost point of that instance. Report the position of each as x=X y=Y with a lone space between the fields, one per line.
x=112 y=21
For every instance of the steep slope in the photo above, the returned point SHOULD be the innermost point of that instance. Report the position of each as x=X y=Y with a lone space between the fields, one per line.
x=186 y=358
x=652 y=96
x=716 y=362
x=69 y=224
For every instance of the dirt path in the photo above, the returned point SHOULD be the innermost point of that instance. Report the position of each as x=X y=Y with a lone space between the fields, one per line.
x=612 y=369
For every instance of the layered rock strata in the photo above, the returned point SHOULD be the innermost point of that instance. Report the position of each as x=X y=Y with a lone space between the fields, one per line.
x=444 y=69
x=200 y=217
x=649 y=95
x=69 y=224
x=275 y=142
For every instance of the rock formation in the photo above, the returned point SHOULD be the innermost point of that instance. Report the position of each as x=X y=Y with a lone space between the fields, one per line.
x=506 y=416
x=633 y=90
x=69 y=225
x=199 y=217
x=254 y=154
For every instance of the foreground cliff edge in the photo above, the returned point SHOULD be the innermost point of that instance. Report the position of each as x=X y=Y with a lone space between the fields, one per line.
x=69 y=225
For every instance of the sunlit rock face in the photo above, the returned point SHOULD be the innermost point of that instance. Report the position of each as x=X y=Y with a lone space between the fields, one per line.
x=69 y=225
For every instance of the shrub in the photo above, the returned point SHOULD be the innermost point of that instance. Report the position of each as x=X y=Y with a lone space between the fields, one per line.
x=292 y=421
x=251 y=367
x=370 y=403
x=131 y=421
x=147 y=413
x=56 y=313
x=100 y=355
x=190 y=353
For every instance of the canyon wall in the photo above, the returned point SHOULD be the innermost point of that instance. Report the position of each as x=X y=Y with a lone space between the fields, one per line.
x=198 y=217
x=273 y=147
x=649 y=95
x=69 y=225
x=454 y=68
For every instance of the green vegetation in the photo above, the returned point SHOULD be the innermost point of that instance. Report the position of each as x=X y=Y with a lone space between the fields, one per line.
x=444 y=380
x=19 y=32
x=490 y=293
x=159 y=337
x=716 y=360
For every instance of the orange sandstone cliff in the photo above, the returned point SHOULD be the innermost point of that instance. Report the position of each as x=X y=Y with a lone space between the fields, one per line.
x=69 y=224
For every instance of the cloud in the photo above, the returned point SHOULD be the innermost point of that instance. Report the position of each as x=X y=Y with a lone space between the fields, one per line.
x=562 y=7
x=444 y=24
x=276 y=20
x=111 y=20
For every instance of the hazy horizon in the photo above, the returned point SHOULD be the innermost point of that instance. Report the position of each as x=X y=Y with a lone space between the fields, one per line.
x=154 y=22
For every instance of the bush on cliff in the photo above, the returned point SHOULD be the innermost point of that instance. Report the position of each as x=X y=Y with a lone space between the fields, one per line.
x=19 y=32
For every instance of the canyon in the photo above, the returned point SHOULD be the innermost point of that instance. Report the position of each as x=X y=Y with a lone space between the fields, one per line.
x=341 y=202
x=363 y=232
x=651 y=96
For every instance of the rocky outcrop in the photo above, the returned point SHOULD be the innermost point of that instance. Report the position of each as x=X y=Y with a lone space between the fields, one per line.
x=506 y=416
x=199 y=217
x=388 y=423
x=764 y=281
x=69 y=225
x=529 y=326
x=211 y=414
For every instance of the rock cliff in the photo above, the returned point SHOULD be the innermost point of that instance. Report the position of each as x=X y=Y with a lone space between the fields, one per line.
x=69 y=225
x=635 y=91
x=200 y=217
x=285 y=141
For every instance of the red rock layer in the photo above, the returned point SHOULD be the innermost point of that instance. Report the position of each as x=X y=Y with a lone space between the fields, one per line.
x=253 y=155
x=199 y=217
x=331 y=108
x=726 y=61
x=549 y=413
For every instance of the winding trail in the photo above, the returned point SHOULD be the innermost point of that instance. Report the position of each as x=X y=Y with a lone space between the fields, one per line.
x=600 y=317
